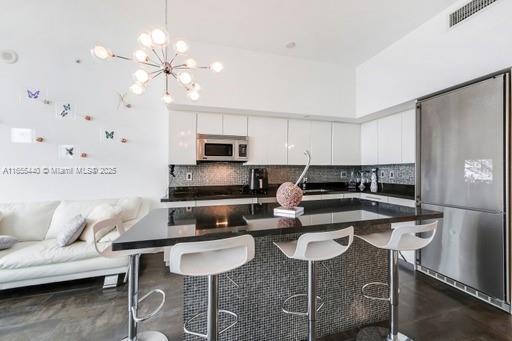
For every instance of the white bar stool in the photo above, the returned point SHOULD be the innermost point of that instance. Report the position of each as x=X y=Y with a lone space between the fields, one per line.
x=211 y=258
x=313 y=247
x=105 y=250
x=403 y=238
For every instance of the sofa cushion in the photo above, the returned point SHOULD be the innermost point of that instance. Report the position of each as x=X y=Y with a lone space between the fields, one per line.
x=67 y=210
x=27 y=221
x=29 y=254
x=6 y=242
x=130 y=208
x=99 y=213
x=71 y=231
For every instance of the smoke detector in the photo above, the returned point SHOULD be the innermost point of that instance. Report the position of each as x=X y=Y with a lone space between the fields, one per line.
x=8 y=56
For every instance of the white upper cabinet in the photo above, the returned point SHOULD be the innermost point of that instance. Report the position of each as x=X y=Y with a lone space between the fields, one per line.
x=267 y=140
x=409 y=136
x=234 y=125
x=369 y=143
x=299 y=140
x=321 y=143
x=182 y=138
x=390 y=139
x=209 y=124
x=346 y=144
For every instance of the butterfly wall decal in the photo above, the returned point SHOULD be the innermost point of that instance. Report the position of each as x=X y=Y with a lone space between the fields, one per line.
x=66 y=109
x=69 y=151
x=33 y=94
x=109 y=134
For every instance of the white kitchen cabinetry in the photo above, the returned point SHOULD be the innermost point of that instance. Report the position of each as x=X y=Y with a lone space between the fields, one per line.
x=321 y=143
x=369 y=143
x=234 y=125
x=182 y=138
x=314 y=136
x=209 y=124
x=390 y=139
x=299 y=140
x=346 y=144
x=409 y=136
x=267 y=141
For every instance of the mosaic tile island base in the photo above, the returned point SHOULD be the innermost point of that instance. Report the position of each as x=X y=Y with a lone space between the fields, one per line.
x=257 y=290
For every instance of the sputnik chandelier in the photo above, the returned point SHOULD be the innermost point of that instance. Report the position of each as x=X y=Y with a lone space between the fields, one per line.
x=154 y=56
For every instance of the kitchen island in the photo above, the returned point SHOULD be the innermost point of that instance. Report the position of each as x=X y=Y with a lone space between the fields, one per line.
x=257 y=290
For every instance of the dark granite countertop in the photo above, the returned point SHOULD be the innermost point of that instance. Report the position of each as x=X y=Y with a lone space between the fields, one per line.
x=234 y=192
x=168 y=226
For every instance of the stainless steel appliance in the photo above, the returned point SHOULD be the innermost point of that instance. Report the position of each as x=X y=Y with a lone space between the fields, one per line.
x=462 y=170
x=258 y=180
x=222 y=148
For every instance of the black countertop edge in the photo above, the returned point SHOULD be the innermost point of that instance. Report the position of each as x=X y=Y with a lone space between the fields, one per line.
x=197 y=193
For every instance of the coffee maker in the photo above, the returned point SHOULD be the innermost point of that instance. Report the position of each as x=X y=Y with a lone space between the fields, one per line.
x=258 y=180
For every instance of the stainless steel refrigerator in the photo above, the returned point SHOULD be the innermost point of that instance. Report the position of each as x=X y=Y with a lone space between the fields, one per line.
x=462 y=170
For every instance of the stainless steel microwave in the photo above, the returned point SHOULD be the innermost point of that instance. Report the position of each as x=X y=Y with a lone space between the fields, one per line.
x=222 y=148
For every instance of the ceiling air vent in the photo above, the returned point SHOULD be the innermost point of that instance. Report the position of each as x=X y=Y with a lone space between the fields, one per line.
x=468 y=10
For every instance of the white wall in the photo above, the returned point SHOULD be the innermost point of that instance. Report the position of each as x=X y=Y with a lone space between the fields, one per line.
x=256 y=82
x=434 y=57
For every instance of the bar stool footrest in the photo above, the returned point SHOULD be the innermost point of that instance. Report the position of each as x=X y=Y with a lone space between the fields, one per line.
x=366 y=295
x=204 y=336
x=154 y=312
x=299 y=313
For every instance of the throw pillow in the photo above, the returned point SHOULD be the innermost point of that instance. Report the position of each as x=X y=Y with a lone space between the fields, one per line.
x=130 y=208
x=7 y=242
x=71 y=231
x=99 y=213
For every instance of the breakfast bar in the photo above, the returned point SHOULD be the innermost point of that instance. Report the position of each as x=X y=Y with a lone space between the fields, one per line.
x=257 y=290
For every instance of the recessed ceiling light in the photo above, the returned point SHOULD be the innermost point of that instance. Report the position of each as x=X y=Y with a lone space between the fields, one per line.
x=290 y=45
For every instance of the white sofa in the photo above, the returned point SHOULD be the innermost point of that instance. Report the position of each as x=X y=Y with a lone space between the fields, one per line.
x=37 y=259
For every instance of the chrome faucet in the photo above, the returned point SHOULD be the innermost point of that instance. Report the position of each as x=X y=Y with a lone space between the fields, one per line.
x=304 y=183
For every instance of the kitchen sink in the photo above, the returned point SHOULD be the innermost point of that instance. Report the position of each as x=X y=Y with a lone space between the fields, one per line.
x=321 y=190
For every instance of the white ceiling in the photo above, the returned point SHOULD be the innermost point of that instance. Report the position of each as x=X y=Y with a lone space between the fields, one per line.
x=334 y=31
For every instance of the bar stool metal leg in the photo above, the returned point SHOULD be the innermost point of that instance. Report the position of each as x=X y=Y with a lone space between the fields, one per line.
x=394 y=335
x=213 y=307
x=311 y=300
x=133 y=300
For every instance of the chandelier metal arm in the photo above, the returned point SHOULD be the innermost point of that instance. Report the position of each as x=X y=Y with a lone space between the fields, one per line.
x=173 y=58
x=157 y=56
x=130 y=59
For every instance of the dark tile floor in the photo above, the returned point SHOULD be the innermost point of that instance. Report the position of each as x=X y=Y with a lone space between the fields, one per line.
x=82 y=310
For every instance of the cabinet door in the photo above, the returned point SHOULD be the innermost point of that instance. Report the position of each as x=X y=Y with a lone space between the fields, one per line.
x=369 y=142
x=299 y=140
x=209 y=124
x=409 y=136
x=321 y=143
x=390 y=139
x=234 y=125
x=346 y=144
x=267 y=140
x=182 y=138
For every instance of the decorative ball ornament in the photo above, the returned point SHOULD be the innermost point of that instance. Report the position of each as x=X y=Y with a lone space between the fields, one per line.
x=39 y=139
x=83 y=155
x=88 y=117
x=289 y=195
x=124 y=140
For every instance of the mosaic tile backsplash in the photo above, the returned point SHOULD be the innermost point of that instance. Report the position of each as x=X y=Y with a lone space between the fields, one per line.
x=225 y=173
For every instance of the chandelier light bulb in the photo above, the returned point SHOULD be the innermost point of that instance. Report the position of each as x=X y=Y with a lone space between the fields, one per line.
x=191 y=63
x=216 y=67
x=140 y=56
x=159 y=37
x=167 y=98
x=181 y=46
x=193 y=95
x=101 y=52
x=185 y=77
x=137 y=88
x=141 y=76
x=145 y=39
